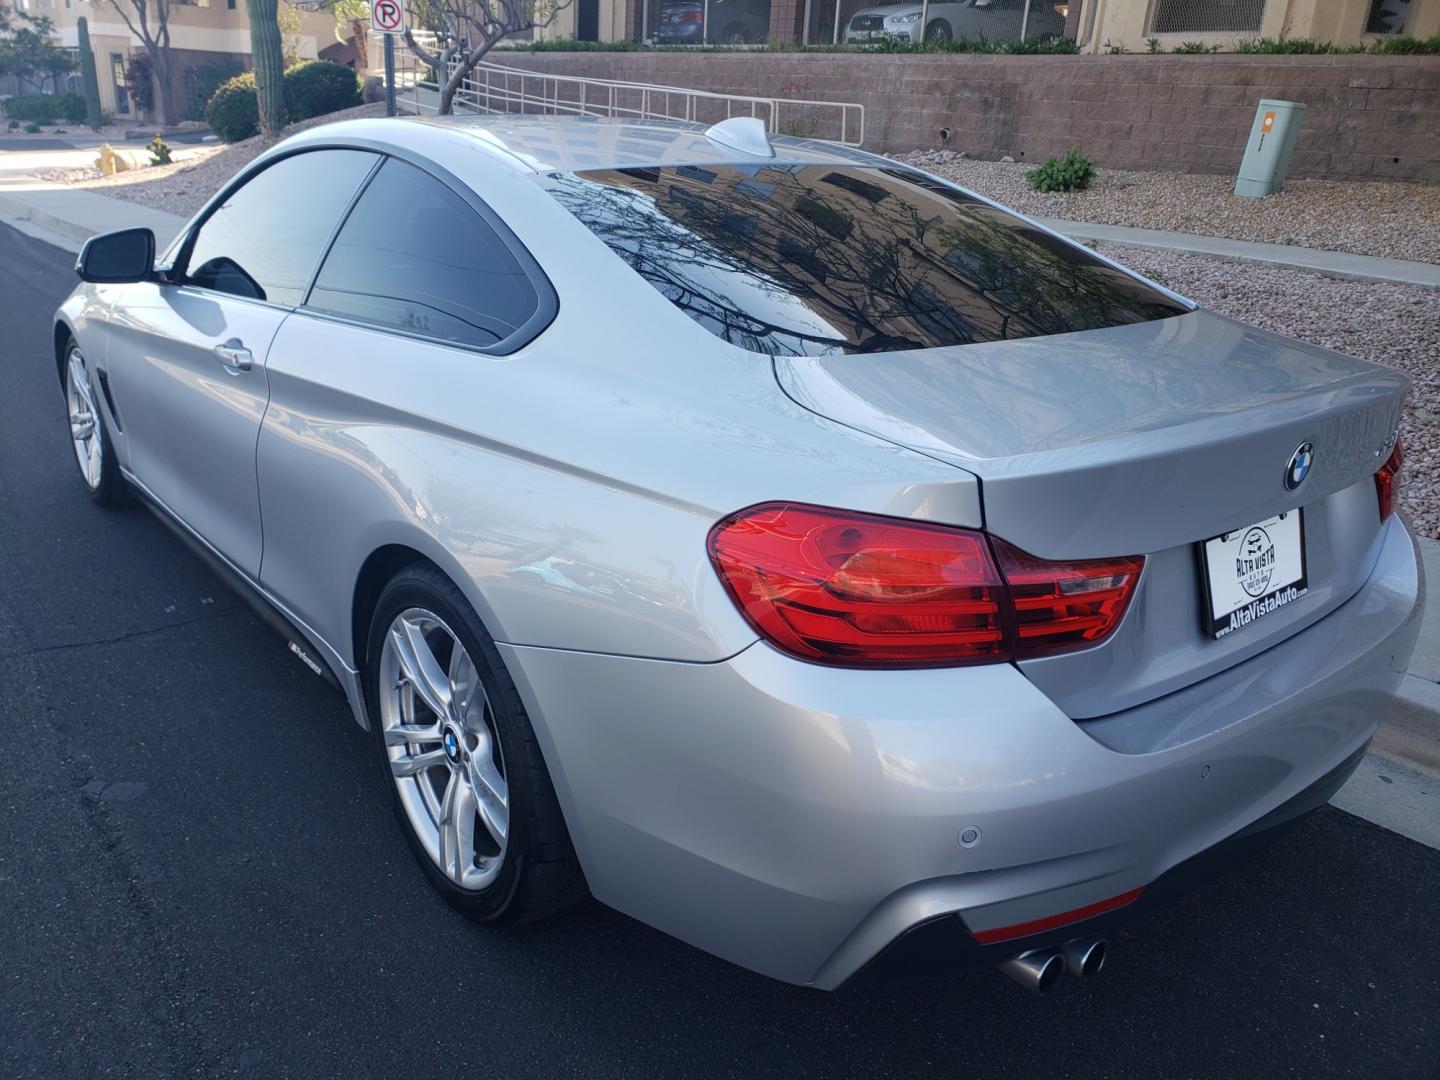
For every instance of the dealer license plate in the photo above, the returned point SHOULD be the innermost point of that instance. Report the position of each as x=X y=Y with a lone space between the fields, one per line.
x=1253 y=572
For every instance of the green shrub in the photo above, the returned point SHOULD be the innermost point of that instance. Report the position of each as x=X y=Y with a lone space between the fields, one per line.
x=1073 y=172
x=201 y=83
x=233 y=112
x=318 y=88
x=46 y=108
x=1194 y=48
x=32 y=128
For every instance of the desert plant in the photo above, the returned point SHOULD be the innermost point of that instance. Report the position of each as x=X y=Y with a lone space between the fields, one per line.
x=267 y=49
x=32 y=128
x=88 y=78
x=159 y=150
x=319 y=87
x=233 y=111
x=140 y=83
x=203 y=80
x=1194 y=48
x=1073 y=172
x=1153 y=44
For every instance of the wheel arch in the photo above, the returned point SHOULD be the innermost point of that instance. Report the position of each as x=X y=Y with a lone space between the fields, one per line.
x=61 y=334
x=378 y=569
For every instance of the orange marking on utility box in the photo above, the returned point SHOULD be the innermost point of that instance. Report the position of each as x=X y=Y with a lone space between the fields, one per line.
x=1267 y=123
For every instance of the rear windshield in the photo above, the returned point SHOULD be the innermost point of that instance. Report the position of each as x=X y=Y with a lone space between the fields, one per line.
x=805 y=260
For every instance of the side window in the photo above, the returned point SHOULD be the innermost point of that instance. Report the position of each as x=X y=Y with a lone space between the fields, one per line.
x=415 y=256
x=266 y=238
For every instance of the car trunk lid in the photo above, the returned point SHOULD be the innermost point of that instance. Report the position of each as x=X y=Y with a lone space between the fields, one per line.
x=1148 y=438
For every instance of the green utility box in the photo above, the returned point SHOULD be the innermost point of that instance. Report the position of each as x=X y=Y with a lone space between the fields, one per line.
x=1267 y=154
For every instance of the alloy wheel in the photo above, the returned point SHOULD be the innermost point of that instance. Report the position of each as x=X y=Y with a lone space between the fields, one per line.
x=443 y=748
x=84 y=419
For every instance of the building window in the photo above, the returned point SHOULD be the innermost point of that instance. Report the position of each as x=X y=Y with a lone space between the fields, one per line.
x=1206 y=16
x=230 y=4
x=1387 y=16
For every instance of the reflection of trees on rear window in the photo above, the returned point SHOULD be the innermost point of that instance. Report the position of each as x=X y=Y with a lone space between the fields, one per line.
x=813 y=259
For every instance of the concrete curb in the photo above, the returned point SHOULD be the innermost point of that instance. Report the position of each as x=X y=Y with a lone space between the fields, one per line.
x=78 y=215
x=1334 y=264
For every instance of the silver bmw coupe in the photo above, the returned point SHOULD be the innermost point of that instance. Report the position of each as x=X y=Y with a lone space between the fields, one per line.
x=800 y=554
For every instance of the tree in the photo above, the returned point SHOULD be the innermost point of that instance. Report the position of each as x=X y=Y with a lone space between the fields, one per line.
x=267 y=50
x=468 y=29
x=88 y=77
x=149 y=21
x=29 y=52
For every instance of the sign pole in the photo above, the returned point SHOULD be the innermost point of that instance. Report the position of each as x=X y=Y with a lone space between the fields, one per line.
x=389 y=74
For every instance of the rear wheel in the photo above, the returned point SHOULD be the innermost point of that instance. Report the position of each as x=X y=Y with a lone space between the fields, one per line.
x=89 y=436
x=471 y=791
x=735 y=34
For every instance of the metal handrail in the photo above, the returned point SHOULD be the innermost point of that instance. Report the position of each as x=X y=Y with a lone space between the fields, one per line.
x=501 y=88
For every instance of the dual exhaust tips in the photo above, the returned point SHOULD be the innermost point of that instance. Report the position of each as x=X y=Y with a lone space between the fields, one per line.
x=1040 y=970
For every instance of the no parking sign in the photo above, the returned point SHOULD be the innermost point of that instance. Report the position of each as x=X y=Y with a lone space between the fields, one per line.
x=387 y=16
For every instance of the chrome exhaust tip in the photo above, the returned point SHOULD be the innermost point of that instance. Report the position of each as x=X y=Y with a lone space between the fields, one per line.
x=1038 y=970
x=1084 y=957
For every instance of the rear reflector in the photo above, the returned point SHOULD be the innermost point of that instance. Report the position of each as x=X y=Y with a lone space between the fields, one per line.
x=1388 y=480
x=858 y=590
x=1050 y=922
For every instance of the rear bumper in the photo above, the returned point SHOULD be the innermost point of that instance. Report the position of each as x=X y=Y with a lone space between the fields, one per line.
x=800 y=820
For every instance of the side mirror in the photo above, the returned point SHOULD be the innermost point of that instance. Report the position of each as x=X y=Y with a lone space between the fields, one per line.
x=115 y=258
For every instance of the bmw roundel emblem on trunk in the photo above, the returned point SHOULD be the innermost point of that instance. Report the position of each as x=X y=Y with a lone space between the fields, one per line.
x=1299 y=466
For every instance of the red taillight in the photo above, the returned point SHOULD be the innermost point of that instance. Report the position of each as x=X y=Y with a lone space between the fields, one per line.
x=858 y=590
x=1062 y=606
x=1387 y=480
x=690 y=16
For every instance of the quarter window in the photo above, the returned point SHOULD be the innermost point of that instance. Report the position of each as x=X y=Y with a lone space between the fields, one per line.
x=268 y=235
x=414 y=256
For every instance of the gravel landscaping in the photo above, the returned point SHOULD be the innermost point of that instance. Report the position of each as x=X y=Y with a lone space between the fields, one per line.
x=1391 y=220
x=182 y=188
x=1396 y=325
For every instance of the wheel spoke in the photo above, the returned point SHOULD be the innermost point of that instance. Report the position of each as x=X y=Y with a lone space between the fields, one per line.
x=457 y=829
x=414 y=764
x=465 y=688
x=426 y=675
x=492 y=792
x=412 y=733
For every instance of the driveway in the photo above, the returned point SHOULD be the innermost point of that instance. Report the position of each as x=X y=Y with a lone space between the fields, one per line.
x=200 y=875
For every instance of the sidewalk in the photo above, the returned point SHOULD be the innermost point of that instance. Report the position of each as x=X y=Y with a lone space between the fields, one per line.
x=66 y=217
x=1336 y=264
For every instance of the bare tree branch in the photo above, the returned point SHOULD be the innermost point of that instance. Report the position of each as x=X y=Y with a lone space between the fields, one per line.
x=468 y=29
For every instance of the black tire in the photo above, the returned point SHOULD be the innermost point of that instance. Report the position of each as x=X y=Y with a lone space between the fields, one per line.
x=735 y=34
x=540 y=874
x=938 y=30
x=109 y=489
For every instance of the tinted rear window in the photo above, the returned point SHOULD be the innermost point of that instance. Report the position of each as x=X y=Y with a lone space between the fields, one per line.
x=813 y=259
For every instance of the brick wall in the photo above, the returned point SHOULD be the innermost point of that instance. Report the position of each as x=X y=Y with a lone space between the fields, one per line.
x=1369 y=117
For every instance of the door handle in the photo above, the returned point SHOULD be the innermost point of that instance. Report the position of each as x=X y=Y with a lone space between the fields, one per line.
x=234 y=357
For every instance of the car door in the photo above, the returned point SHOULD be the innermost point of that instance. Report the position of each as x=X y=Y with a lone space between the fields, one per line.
x=420 y=306
x=187 y=355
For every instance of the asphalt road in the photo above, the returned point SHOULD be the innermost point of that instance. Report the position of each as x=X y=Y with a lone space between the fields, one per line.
x=199 y=875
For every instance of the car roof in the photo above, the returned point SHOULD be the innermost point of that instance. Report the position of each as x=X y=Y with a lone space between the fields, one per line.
x=543 y=144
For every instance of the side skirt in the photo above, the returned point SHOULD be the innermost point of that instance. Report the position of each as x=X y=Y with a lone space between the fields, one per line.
x=312 y=650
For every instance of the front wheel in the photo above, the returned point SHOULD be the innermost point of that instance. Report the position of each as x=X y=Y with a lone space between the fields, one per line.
x=470 y=788
x=89 y=436
x=938 y=30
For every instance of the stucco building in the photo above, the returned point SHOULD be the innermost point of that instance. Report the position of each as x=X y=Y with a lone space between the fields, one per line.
x=207 y=38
